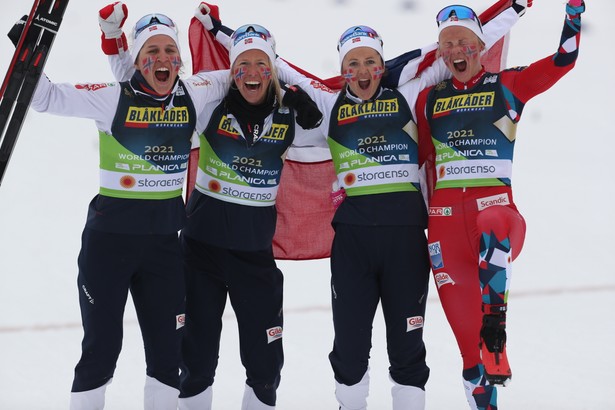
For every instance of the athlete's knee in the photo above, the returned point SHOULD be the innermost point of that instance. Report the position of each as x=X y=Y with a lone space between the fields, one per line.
x=495 y=219
x=346 y=372
x=414 y=375
x=517 y=235
x=170 y=377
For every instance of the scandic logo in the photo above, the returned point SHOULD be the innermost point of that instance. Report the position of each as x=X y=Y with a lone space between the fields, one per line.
x=501 y=199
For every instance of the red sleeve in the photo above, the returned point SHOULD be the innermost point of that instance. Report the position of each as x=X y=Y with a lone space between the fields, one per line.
x=527 y=82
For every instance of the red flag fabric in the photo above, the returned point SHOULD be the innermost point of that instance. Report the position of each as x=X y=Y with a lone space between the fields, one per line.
x=305 y=211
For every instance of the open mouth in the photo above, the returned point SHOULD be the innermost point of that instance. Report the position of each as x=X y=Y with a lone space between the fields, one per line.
x=364 y=84
x=252 y=85
x=162 y=74
x=460 y=65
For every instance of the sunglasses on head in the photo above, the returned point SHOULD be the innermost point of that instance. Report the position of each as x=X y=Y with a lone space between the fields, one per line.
x=457 y=12
x=250 y=30
x=152 y=19
x=358 y=31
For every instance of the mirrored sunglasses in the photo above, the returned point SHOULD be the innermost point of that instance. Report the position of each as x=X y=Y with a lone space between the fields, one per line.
x=457 y=12
x=152 y=19
x=358 y=31
x=250 y=30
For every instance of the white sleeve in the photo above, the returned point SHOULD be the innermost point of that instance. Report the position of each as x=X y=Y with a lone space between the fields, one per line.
x=224 y=39
x=93 y=101
x=499 y=26
x=207 y=89
x=122 y=66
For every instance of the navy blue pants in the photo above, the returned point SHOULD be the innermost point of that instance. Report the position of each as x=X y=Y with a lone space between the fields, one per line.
x=386 y=264
x=254 y=285
x=150 y=267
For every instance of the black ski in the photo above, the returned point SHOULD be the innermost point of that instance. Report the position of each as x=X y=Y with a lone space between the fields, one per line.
x=25 y=70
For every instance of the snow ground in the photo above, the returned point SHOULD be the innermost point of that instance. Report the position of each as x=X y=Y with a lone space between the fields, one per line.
x=561 y=335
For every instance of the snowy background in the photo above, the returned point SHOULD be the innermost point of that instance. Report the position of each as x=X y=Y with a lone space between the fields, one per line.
x=561 y=329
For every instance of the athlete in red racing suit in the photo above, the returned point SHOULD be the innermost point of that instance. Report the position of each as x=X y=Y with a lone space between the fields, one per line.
x=467 y=129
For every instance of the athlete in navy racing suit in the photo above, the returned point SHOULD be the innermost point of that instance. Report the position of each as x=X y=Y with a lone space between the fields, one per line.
x=227 y=241
x=130 y=241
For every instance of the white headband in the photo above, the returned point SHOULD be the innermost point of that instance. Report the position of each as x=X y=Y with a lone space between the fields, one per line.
x=252 y=40
x=467 y=23
x=150 y=32
x=359 y=37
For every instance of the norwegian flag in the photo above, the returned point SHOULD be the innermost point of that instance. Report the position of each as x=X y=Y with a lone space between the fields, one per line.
x=303 y=204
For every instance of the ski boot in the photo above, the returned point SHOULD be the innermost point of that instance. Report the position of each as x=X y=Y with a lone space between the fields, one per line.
x=493 y=348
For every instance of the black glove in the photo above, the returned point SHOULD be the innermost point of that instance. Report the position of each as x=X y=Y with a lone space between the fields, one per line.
x=17 y=29
x=308 y=114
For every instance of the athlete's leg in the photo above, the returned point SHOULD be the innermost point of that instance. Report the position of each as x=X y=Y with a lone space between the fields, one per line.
x=502 y=232
x=453 y=248
x=404 y=284
x=158 y=293
x=504 y=222
x=479 y=393
x=355 y=296
x=206 y=295
x=255 y=286
x=106 y=262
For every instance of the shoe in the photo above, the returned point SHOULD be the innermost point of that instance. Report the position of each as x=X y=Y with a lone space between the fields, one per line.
x=493 y=349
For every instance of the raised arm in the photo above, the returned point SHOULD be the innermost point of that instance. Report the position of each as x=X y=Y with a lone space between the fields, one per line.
x=213 y=25
x=527 y=82
x=111 y=19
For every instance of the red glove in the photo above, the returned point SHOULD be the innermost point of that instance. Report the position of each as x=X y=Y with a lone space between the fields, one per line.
x=111 y=18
